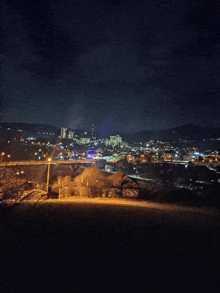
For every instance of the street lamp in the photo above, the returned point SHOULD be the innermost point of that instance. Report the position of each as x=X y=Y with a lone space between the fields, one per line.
x=2 y=156
x=48 y=175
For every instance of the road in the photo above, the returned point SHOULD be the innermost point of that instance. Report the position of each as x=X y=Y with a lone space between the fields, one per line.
x=29 y=163
x=107 y=245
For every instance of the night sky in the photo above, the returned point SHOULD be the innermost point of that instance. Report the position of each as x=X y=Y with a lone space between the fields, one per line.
x=120 y=65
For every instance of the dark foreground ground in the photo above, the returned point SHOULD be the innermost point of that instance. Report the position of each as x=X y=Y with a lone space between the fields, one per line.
x=110 y=246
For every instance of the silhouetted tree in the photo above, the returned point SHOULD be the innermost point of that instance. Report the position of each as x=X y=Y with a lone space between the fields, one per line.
x=14 y=187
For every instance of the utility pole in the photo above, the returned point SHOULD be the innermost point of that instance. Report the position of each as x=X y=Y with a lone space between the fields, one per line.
x=59 y=182
x=48 y=175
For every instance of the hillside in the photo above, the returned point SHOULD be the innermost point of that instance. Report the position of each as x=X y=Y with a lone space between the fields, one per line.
x=100 y=245
x=185 y=132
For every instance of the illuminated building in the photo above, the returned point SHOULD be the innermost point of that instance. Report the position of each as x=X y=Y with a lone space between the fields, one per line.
x=63 y=132
x=85 y=140
x=70 y=134
x=115 y=140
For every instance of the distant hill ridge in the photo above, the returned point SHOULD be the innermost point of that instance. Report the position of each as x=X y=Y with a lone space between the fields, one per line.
x=27 y=126
x=186 y=132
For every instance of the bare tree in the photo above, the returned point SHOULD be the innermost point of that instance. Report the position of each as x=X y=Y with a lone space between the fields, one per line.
x=64 y=186
x=88 y=184
x=14 y=187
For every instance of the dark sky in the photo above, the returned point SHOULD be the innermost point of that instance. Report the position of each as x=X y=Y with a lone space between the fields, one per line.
x=120 y=65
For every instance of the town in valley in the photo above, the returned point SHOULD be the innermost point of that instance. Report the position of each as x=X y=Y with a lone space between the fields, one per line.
x=161 y=164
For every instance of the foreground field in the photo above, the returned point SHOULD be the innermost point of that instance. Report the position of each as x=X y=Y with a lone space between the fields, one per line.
x=110 y=245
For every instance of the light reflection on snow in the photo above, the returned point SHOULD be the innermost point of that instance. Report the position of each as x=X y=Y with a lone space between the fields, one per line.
x=131 y=203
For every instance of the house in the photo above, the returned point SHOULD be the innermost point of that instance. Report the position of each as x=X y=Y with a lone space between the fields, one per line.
x=94 y=183
x=122 y=186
